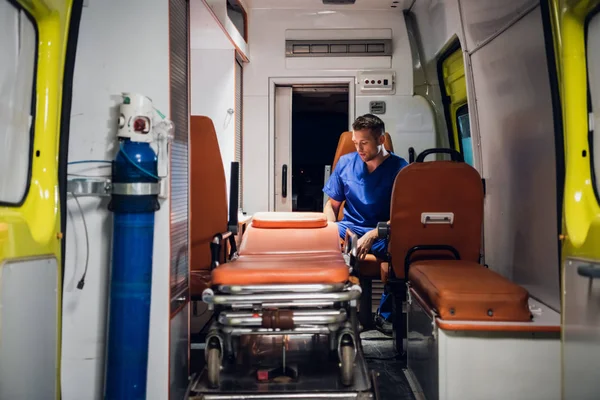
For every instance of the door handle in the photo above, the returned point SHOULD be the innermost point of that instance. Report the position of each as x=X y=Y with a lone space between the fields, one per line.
x=284 y=181
x=588 y=271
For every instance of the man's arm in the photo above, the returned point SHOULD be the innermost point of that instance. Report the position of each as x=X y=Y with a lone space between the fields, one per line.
x=366 y=242
x=332 y=208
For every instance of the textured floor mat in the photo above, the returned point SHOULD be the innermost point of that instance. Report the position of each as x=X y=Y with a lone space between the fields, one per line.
x=382 y=358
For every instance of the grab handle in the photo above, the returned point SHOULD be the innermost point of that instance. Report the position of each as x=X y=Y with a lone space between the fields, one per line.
x=455 y=155
x=284 y=181
x=588 y=271
x=411 y=155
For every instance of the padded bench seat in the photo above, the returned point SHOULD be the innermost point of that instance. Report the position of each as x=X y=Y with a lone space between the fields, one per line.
x=462 y=290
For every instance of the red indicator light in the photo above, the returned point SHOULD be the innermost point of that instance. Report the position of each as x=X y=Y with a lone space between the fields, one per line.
x=262 y=375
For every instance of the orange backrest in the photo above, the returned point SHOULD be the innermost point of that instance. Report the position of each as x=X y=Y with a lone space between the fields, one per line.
x=208 y=191
x=423 y=188
x=346 y=146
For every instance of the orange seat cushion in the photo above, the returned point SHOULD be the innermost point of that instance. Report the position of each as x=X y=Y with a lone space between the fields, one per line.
x=370 y=266
x=298 y=220
x=291 y=241
x=281 y=270
x=467 y=291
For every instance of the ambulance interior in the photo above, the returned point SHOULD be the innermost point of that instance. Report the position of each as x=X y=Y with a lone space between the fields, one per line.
x=163 y=227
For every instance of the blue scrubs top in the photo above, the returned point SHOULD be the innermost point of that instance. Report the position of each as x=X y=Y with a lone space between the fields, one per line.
x=368 y=195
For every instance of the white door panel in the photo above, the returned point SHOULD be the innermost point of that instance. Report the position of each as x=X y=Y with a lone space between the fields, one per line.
x=283 y=148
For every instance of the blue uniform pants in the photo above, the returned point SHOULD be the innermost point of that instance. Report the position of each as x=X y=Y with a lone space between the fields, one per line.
x=379 y=250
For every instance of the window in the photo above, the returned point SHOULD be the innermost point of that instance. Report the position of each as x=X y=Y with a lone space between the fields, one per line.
x=18 y=51
x=593 y=68
x=237 y=15
x=464 y=133
x=453 y=85
x=239 y=143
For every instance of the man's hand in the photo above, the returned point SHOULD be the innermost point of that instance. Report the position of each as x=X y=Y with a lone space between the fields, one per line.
x=364 y=244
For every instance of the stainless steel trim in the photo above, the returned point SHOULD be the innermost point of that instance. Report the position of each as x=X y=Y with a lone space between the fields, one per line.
x=312 y=330
x=250 y=289
x=301 y=304
x=312 y=396
x=89 y=187
x=136 y=189
x=352 y=294
x=300 y=317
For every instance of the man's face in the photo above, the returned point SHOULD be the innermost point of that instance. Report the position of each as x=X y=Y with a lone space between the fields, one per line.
x=366 y=145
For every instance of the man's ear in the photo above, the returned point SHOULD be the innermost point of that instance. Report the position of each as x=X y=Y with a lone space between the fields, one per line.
x=381 y=139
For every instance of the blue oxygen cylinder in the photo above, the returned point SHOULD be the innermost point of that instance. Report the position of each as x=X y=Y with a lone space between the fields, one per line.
x=131 y=275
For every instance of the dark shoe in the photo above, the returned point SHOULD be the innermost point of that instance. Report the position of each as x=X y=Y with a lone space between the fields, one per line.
x=383 y=326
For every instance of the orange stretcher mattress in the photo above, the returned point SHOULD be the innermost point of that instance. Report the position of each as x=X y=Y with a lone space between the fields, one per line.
x=467 y=291
x=281 y=270
x=280 y=241
x=286 y=220
x=286 y=248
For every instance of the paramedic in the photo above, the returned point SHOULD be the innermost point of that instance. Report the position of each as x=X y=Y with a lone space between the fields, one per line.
x=364 y=179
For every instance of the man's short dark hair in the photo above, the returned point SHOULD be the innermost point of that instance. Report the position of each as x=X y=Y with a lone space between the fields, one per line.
x=370 y=122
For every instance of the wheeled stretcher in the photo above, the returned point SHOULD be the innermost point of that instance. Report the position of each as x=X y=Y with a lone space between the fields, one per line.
x=288 y=294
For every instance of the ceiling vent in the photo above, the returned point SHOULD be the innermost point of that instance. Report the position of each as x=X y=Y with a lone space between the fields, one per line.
x=338 y=48
x=339 y=1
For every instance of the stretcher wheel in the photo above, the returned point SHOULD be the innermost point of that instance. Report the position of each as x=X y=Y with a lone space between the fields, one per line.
x=347 y=365
x=214 y=367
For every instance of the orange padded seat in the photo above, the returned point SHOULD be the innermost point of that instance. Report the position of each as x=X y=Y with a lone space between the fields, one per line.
x=436 y=187
x=283 y=241
x=208 y=213
x=298 y=220
x=281 y=271
x=462 y=290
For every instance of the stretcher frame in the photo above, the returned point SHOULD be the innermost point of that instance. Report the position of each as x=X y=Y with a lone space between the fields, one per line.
x=313 y=310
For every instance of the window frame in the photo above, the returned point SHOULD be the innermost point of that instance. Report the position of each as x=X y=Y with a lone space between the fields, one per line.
x=454 y=142
x=239 y=64
x=461 y=110
x=31 y=19
x=595 y=12
x=244 y=34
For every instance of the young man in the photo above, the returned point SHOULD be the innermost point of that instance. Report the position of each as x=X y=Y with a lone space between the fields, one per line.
x=364 y=179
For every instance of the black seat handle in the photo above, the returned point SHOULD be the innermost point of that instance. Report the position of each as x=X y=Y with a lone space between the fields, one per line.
x=427 y=247
x=411 y=155
x=455 y=155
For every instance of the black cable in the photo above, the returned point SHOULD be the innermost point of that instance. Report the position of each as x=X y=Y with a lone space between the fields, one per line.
x=81 y=282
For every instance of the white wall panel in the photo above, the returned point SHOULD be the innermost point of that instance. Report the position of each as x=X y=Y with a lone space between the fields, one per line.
x=518 y=154
x=268 y=30
x=105 y=67
x=205 y=31
x=484 y=18
x=438 y=21
x=413 y=126
x=28 y=320
x=213 y=94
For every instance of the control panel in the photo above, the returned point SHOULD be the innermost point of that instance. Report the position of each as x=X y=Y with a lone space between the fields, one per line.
x=376 y=82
